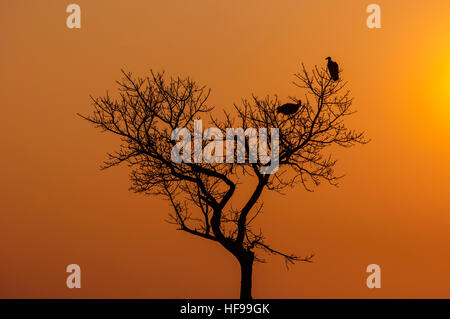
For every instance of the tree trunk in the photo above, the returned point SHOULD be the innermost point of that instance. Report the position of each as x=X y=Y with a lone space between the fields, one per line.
x=246 y=263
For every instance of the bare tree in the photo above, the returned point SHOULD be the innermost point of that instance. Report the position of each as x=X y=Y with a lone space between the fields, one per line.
x=148 y=109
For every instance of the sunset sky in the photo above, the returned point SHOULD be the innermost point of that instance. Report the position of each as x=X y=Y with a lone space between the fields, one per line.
x=58 y=208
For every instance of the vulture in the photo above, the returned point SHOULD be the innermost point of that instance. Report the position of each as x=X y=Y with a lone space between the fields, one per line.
x=333 y=68
x=289 y=108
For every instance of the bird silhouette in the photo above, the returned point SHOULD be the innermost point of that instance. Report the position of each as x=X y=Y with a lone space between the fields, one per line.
x=333 y=68
x=289 y=108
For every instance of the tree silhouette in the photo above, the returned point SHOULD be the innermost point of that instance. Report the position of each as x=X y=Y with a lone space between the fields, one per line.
x=148 y=109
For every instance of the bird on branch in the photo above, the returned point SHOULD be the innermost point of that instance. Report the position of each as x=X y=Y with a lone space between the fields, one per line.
x=333 y=68
x=289 y=108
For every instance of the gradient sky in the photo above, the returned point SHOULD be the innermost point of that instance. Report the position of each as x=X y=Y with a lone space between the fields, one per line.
x=58 y=208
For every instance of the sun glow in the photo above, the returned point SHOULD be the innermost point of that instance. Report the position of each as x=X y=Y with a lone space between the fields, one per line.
x=437 y=88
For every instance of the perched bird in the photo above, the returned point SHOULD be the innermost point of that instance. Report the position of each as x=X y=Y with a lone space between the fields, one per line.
x=289 y=108
x=333 y=68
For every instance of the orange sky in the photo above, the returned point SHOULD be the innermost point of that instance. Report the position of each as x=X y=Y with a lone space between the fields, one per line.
x=58 y=208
